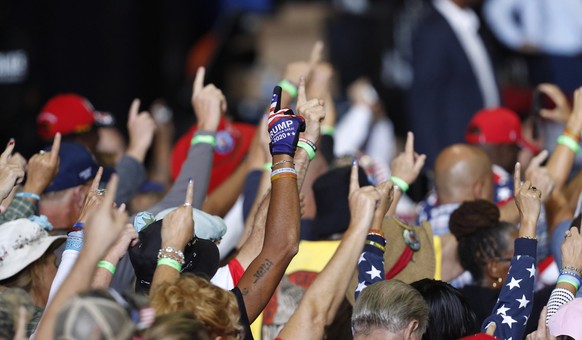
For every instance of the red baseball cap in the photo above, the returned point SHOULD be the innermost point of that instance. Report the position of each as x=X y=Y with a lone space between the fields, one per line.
x=67 y=114
x=497 y=126
x=232 y=143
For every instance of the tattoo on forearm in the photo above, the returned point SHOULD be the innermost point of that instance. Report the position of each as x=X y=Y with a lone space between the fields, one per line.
x=263 y=270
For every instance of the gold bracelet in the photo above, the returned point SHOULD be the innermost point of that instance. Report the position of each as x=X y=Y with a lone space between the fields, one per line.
x=377 y=245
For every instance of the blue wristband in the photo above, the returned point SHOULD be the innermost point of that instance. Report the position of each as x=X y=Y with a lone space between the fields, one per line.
x=28 y=195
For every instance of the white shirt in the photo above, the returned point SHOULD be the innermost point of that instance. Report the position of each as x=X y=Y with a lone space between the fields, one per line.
x=553 y=26
x=465 y=24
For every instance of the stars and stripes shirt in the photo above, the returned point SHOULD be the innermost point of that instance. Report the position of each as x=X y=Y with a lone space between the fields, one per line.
x=515 y=302
x=370 y=268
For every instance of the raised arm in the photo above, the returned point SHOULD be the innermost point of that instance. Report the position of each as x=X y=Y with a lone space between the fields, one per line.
x=514 y=305
x=97 y=243
x=322 y=299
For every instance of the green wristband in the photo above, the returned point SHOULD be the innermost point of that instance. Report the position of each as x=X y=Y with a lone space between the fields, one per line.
x=170 y=263
x=571 y=280
x=327 y=130
x=400 y=183
x=267 y=166
x=307 y=149
x=107 y=265
x=204 y=139
x=288 y=87
x=569 y=142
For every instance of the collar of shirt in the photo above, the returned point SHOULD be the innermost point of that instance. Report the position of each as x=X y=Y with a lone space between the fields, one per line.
x=457 y=17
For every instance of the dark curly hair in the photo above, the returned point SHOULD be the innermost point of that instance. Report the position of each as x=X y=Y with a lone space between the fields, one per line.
x=480 y=233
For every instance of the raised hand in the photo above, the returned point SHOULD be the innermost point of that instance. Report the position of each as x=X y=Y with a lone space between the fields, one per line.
x=528 y=200
x=178 y=225
x=297 y=69
x=284 y=126
x=313 y=111
x=129 y=237
x=208 y=102
x=94 y=197
x=574 y=122
x=364 y=202
x=141 y=127
x=572 y=248
x=10 y=172
x=42 y=168
x=561 y=112
x=408 y=164
x=105 y=223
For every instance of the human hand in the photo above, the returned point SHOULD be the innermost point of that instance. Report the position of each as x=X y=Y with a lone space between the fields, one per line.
x=93 y=198
x=572 y=248
x=129 y=237
x=284 y=126
x=313 y=111
x=364 y=202
x=542 y=333
x=178 y=225
x=11 y=173
x=141 y=127
x=528 y=200
x=561 y=112
x=407 y=165
x=208 y=102
x=319 y=84
x=574 y=122
x=42 y=168
x=539 y=175
x=104 y=223
x=361 y=92
x=297 y=69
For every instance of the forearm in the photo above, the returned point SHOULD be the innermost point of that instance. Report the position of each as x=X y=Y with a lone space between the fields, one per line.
x=131 y=174
x=254 y=242
x=78 y=280
x=509 y=213
x=103 y=277
x=162 y=150
x=394 y=205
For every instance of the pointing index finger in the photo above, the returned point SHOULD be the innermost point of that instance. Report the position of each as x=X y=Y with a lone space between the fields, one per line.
x=199 y=80
x=97 y=179
x=189 y=194
x=301 y=96
x=315 y=56
x=56 y=148
x=409 y=147
x=133 y=110
x=354 y=181
x=7 y=153
x=516 y=178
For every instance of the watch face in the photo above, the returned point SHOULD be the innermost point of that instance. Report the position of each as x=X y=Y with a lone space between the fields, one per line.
x=411 y=239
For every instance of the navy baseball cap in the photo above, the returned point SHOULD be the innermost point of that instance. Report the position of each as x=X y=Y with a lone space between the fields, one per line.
x=76 y=166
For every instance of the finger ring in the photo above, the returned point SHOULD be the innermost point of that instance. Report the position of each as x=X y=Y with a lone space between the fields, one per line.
x=567 y=234
x=187 y=204
x=42 y=152
x=100 y=192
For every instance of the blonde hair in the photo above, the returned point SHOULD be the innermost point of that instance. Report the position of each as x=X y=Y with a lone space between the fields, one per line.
x=176 y=326
x=214 y=306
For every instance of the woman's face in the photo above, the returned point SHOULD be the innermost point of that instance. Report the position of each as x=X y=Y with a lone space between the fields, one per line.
x=504 y=261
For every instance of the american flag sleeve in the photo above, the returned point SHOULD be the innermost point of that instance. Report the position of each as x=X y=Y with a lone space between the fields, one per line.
x=515 y=301
x=370 y=264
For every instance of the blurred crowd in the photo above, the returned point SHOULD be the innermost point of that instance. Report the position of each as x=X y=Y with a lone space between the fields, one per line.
x=321 y=220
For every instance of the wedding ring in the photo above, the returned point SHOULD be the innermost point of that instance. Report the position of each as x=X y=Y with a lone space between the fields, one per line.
x=100 y=192
x=187 y=204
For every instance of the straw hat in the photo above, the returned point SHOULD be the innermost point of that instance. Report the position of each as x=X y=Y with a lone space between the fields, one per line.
x=401 y=237
x=21 y=243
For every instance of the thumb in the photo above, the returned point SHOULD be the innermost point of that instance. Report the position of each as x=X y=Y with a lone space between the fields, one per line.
x=490 y=329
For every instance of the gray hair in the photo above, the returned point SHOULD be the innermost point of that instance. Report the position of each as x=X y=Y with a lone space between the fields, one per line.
x=389 y=305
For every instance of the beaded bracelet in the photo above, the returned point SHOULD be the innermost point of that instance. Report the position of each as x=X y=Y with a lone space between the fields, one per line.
x=400 y=183
x=309 y=148
x=571 y=268
x=282 y=162
x=283 y=170
x=171 y=253
x=28 y=195
x=376 y=245
x=289 y=87
x=572 y=274
x=565 y=278
x=110 y=267
x=170 y=263
x=569 y=142
x=208 y=139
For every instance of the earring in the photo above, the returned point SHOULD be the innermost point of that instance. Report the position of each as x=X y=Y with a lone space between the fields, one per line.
x=497 y=283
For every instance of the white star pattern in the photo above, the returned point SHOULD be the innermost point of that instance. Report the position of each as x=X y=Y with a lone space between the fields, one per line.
x=362 y=258
x=361 y=286
x=514 y=283
x=502 y=310
x=374 y=273
x=532 y=270
x=526 y=319
x=518 y=257
x=508 y=320
x=523 y=301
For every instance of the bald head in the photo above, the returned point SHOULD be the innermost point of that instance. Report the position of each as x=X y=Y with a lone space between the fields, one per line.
x=463 y=172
